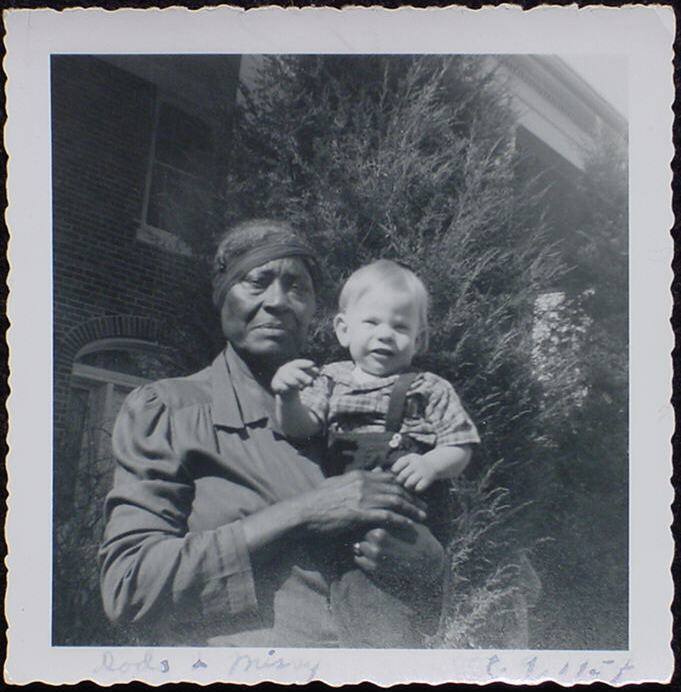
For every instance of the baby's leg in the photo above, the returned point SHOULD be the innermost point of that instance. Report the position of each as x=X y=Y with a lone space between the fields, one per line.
x=371 y=616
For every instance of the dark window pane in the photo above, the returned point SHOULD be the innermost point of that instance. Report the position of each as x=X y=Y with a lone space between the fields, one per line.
x=178 y=203
x=146 y=364
x=182 y=140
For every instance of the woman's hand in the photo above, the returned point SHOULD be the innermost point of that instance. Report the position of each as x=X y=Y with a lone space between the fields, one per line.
x=356 y=499
x=410 y=555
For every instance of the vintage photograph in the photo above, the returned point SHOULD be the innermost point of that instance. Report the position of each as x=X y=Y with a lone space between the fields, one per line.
x=339 y=346
x=251 y=254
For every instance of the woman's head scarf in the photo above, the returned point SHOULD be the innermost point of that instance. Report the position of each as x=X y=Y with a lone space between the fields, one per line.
x=253 y=243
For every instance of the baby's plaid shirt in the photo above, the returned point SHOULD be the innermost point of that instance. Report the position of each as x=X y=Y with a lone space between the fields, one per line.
x=433 y=412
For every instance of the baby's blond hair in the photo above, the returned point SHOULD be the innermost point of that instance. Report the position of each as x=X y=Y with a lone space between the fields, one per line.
x=392 y=275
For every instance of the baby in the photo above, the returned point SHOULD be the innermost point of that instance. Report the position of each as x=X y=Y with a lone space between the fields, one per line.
x=376 y=411
x=383 y=323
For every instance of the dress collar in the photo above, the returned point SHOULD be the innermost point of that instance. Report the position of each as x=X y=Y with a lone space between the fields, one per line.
x=238 y=399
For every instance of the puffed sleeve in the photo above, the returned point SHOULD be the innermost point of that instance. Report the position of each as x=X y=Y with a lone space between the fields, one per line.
x=445 y=413
x=151 y=564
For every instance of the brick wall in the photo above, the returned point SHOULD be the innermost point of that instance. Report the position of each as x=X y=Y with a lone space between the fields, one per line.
x=102 y=121
x=107 y=283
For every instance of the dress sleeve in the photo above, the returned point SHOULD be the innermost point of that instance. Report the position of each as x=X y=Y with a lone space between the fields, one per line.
x=151 y=563
x=445 y=413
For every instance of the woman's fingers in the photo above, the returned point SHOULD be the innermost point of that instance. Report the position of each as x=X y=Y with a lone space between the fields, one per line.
x=368 y=548
x=365 y=563
x=396 y=488
x=376 y=536
x=386 y=517
x=379 y=475
x=361 y=498
x=396 y=503
x=386 y=490
x=412 y=556
x=367 y=555
x=385 y=481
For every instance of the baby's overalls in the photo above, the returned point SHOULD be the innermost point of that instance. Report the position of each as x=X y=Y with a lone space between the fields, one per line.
x=370 y=615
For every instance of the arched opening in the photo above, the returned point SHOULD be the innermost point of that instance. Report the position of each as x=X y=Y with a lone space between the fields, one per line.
x=104 y=372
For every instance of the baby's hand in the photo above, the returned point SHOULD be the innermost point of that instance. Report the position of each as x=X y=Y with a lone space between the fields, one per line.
x=414 y=472
x=294 y=376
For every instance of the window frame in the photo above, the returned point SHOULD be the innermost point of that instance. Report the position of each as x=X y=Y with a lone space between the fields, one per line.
x=146 y=232
x=96 y=383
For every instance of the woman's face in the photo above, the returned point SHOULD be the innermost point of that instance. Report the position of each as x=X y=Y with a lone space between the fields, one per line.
x=266 y=315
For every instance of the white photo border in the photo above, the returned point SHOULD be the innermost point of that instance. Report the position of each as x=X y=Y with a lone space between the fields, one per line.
x=644 y=34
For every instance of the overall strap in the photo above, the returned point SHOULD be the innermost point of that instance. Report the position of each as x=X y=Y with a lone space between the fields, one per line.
x=398 y=397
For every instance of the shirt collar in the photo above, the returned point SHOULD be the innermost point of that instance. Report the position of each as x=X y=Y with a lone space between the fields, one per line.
x=342 y=372
x=238 y=399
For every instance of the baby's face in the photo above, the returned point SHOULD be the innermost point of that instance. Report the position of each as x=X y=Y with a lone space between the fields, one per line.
x=381 y=329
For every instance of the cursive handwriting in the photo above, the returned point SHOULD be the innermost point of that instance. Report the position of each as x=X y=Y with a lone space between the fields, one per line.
x=244 y=663
x=110 y=664
x=608 y=670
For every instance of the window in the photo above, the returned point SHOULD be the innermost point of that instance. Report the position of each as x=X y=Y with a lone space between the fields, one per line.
x=178 y=197
x=558 y=332
x=104 y=373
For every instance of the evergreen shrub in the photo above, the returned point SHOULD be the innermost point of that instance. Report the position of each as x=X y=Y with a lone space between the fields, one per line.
x=413 y=158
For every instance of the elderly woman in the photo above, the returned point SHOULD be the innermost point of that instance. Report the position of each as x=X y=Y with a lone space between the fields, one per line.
x=219 y=531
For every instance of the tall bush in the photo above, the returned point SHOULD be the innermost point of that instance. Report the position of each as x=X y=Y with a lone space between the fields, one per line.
x=413 y=158
x=583 y=499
